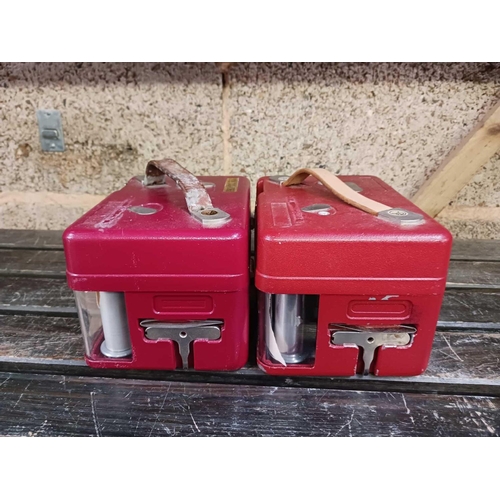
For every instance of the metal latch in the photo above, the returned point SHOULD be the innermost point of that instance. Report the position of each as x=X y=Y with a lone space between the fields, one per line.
x=50 y=128
x=182 y=333
x=369 y=339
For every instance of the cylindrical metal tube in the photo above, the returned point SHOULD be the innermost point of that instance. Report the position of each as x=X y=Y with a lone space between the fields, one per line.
x=288 y=326
x=114 y=325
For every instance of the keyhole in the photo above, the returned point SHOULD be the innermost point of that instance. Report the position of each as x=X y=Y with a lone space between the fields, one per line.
x=183 y=335
x=370 y=340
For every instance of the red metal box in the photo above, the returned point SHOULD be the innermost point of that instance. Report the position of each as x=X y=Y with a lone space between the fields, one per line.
x=344 y=291
x=160 y=270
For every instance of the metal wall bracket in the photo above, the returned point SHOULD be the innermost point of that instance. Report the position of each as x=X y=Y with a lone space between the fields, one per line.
x=50 y=129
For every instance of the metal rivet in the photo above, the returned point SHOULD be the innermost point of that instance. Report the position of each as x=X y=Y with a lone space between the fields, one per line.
x=143 y=210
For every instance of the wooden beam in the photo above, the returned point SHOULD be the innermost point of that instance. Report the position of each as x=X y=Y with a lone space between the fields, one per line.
x=461 y=164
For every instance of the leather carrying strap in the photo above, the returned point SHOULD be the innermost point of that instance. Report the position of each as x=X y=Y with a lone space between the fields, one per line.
x=338 y=188
x=196 y=195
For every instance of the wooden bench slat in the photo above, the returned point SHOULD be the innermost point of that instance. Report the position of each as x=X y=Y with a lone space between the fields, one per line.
x=479 y=275
x=49 y=263
x=477 y=250
x=47 y=405
x=26 y=294
x=31 y=238
x=467 y=307
x=470 y=358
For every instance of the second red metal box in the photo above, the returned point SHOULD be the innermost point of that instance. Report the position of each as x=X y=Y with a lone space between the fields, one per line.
x=345 y=289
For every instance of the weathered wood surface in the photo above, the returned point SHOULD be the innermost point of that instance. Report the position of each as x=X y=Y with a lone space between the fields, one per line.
x=465 y=274
x=460 y=361
x=29 y=338
x=30 y=238
x=26 y=294
x=50 y=263
x=45 y=405
x=470 y=309
x=487 y=250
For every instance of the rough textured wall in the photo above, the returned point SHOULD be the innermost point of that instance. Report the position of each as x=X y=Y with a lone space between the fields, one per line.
x=397 y=121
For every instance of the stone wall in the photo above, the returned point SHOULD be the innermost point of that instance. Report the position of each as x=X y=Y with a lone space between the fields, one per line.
x=397 y=121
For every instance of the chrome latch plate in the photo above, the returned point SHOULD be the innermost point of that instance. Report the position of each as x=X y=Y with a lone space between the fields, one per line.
x=369 y=339
x=182 y=333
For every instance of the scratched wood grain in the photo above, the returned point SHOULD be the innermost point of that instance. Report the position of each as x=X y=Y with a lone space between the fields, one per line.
x=470 y=308
x=51 y=405
x=28 y=294
x=54 y=344
x=50 y=263
x=487 y=250
x=29 y=238
x=481 y=275
x=29 y=337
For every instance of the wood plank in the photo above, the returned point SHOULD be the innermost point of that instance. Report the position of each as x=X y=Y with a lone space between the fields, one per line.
x=40 y=337
x=465 y=308
x=31 y=238
x=49 y=263
x=459 y=167
x=472 y=359
x=25 y=294
x=485 y=250
x=478 y=275
x=51 y=405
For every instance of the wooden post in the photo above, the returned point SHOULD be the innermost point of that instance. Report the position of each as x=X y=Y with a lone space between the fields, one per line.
x=461 y=164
